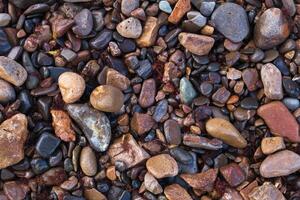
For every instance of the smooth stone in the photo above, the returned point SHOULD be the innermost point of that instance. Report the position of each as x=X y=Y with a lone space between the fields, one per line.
x=257 y=56
x=145 y=69
x=291 y=87
x=207 y=7
x=176 y=192
x=15 y=190
x=101 y=40
x=44 y=59
x=271 y=29
x=181 y=155
x=279 y=120
x=71 y=86
x=196 y=141
x=36 y=8
x=127 y=150
x=186 y=91
x=62 y=125
x=168 y=169
x=94 y=124
x=47 y=144
x=172 y=132
x=12 y=72
x=55 y=72
x=130 y=28
x=241 y=114
x=39 y=166
x=280 y=64
x=180 y=9
x=165 y=6
x=149 y=33
x=148 y=92
x=249 y=103
x=7 y=93
x=141 y=123
x=231 y=20
x=13 y=136
x=221 y=95
x=289 y=163
x=4 y=19
x=24 y=3
x=196 y=44
x=195 y=22
x=26 y=101
x=272 y=81
x=98 y=17
x=127 y=6
x=107 y=98
x=225 y=131
x=161 y=110
x=291 y=103
x=15 y=53
x=68 y=54
x=83 y=23
x=93 y=194
x=250 y=77
x=270 y=145
x=88 y=161
x=151 y=184
x=233 y=174
x=5 y=45
x=116 y=79
x=267 y=191
x=206 y=88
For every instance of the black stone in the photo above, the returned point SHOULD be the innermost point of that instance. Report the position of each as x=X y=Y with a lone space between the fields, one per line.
x=249 y=103
x=145 y=69
x=43 y=105
x=292 y=88
x=47 y=144
x=55 y=72
x=6 y=175
x=127 y=46
x=26 y=101
x=55 y=159
x=101 y=40
x=39 y=166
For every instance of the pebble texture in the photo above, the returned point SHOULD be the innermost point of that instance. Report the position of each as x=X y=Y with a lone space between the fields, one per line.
x=12 y=72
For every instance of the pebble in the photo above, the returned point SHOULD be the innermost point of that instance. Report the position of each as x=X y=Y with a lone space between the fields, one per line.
x=151 y=184
x=233 y=174
x=196 y=44
x=71 y=86
x=37 y=8
x=101 y=40
x=172 y=132
x=68 y=54
x=116 y=79
x=88 y=161
x=176 y=192
x=272 y=81
x=61 y=123
x=15 y=190
x=7 y=93
x=225 y=131
x=203 y=181
x=289 y=163
x=12 y=72
x=249 y=103
x=168 y=169
x=148 y=92
x=161 y=110
x=221 y=95
x=195 y=21
x=149 y=33
x=196 y=141
x=4 y=19
x=145 y=69
x=107 y=98
x=186 y=91
x=279 y=120
x=94 y=124
x=54 y=176
x=83 y=23
x=207 y=7
x=291 y=103
x=270 y=145
x=165 y=6
x=241 y=114
x=267 y=191
x=180 y=9
x=13 y=136
x=47 y=144
x=250 y=77
x=127 y=6
x=271 y=29
x=231 y=20
x=141 y=123
x=127 y=150
x=292 y=88
x=130 y=28
x=93 y=194
x=44 y=59
x=39 y=166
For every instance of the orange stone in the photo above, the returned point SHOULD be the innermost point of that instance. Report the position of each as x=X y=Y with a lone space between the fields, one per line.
x=62 y=125
x=181 y=7
x=176 y=192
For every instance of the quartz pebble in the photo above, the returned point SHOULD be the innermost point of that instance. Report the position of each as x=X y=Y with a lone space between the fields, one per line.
x=168 y=169
x=197 y=44
x=12 y=72
x=130 y=28
x=272 y=81
x=272 y=144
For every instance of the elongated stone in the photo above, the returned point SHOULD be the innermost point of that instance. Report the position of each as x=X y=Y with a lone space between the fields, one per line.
x=272 y=81
x=12 y=72
x=267 y=191
x=187 y=91
x=181 y=7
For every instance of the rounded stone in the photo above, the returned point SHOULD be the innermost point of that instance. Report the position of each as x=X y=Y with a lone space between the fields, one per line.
x=272 y=81
x=107 y=98
x=88 y=162
x=4 y=19
x=196 y=44
x=169 y=168
x=7 y=92
x=127 y=6
x=130 y=28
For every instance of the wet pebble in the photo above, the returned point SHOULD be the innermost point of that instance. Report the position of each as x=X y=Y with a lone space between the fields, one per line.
x=88 y=162
x=249 y=103
x=141 y=123
x=127 y=6
x=165 y=6
x=47 y=144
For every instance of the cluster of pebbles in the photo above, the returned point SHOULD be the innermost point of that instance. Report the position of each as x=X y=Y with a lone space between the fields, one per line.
x=149 y=99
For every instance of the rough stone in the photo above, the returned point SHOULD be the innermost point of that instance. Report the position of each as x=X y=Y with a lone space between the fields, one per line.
x=196 y=44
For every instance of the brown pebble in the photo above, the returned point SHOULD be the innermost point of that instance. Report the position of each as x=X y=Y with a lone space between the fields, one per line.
x=181 y=7
x=176 y=192
x=169 y=168
x=141 y=123
x=147 y=96
x=62 y=125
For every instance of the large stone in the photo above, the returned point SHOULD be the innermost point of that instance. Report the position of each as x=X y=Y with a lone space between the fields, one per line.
x=12 y=72
x=15 y=190
x=266 y=192
x=162 y=166
x=13 y=134
x=272 y=81
x=176 y=192
x=279 y=120
x=126 y=149
x=181 y=7
x=196 y=44
x=271 y=29
x=130 y=28
x=282 y=163
x=83 y=23
x=94 y=124
x=148 y=92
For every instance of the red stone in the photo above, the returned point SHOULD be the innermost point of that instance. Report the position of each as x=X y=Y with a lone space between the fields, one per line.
x=233 y=174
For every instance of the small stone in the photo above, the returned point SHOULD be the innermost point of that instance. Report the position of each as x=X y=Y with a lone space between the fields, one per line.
x=270 y=145
x=62 y=125
x=39 y=166
x=36 y=8
x=111 y=173
x=71 y=86
x=41 y=35
x=231 y=20
x=282 y=163
x=225 y=131
x=196 y=141
x=13 y=136
x=151 y=184
x=47 y=144
x=94 y=124
x=130 y=28
x=165 y=6
x=149 y=33
x=4 y=19
x=291 y=103
x=88 y=161
x=7 y=92
x=241 y=114
x=181 y=7
x=250 y=77
x=203 y=181
x=267 y=192
x=127 y=6
x=12 y=72
x=141 y=123
x=107 y=98
x=168 y=169
x=172 y=132
x=126 y=149
x=249 y=103
x=148 y=92
x=145 y=69
x=186 y=91
x=54 y=176
x=221 y=95
x=272 y=81
x=279 y=120
x=60 y=26
x=68 y=54
x=292 y=88
x=44 y=59
x=271 y=29
x=116 y=79
x=233 y=74
x=176 y=192
x=93 y=194
x=101 y=40
x=161 y=110
x=5 y=45
x=233 y=174
x=15 y=190
x=83 y=23
x=196 y=44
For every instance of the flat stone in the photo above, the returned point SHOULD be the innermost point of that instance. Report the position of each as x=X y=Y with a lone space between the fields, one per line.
x=88 y=161
x=176 y=192
x=47 y=144
x=231 y=20
x=107 y=98
x=271 y=29
x=37 y=8
x=127 y=6
x=61 y=123
x=196 y=44
x=130 y=28
x=186 y=91
x=282 y=163
x=181 y=7
x=141 y=123
x=83 y=23
x=267 y=191
x=126 y=149
x=68 y=54
x=203 y=181
x=225 y=131
x=94 y=124
x=13 y=133
x=272 y=81
x=12 y=72
x=168 y=169
x=270 y=145
x=116 y=79
x=149 y=33
x=233 y=174
x=151 y=184
x=196 y=141
x=279 y=120
x=172 y=132
x=15 y=190
x=233 y=74
x=7 y=92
